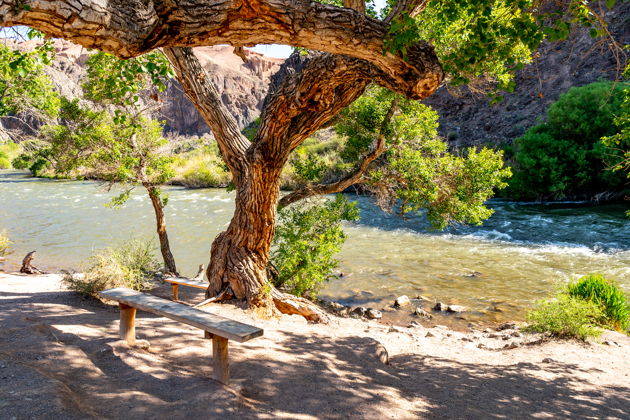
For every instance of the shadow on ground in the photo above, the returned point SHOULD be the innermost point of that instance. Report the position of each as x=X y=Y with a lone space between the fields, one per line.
x=60 y=358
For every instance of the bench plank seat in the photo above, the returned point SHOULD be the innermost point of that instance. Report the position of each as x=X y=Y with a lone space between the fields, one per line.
x=214 y=324
x=177 y=281
x=187 y=282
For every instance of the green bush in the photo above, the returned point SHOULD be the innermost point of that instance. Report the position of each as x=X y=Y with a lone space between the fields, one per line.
x=5 y=163
x=564 y=157
x=307 y=238
x=132 y=265
x=5 y=243
x=566 y=317
x=607 y=295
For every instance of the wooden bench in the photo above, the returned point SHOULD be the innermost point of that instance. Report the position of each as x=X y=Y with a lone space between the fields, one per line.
x=218 y=328
x=177 y=281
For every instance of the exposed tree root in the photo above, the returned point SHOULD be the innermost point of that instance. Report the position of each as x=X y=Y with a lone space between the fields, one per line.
x=293 y=305
x=225 y=294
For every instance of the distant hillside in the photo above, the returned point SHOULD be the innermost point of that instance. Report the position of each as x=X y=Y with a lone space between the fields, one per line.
x=243 y=85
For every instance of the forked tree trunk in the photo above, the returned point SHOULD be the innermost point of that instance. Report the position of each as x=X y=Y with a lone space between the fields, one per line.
x=160 y=220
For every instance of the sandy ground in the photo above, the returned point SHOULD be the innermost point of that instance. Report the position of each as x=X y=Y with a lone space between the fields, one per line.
x=60 y=358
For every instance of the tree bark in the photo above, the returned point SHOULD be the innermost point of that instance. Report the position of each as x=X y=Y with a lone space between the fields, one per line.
x=160 y=219
x=127 y=28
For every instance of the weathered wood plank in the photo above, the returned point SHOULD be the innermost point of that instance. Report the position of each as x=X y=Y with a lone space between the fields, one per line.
x=175 y=291
x=221 y=371
x=214 y=324
x=186 y=282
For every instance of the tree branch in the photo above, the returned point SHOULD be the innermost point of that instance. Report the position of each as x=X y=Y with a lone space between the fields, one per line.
x=351 y=178
x=199 y=88
x=411 y=7
x=129 y=28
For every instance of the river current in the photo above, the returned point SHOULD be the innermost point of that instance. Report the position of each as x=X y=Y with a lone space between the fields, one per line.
x=498 y=270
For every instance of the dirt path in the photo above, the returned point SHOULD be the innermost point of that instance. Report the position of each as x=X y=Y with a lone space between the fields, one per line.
x=60 y=358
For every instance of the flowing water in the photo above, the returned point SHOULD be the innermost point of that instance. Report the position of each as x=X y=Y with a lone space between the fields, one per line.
x=521 y=254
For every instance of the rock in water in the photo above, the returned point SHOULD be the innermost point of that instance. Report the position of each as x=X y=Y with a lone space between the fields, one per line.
x=374 y=314
x=456 y=308
x=440 y=307
x=402 y=301
x=422 y=313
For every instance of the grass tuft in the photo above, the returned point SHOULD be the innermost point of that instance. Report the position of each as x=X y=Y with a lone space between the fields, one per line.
x=132 y=264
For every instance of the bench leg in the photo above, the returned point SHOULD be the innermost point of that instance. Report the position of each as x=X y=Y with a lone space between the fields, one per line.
x=175 y=291
x=221 y=370
x=127 y=323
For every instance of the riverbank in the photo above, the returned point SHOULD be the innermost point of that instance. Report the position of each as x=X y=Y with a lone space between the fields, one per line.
x=60 y=358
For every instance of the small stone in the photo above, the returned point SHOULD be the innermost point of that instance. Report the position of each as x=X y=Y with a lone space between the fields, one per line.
x=440 y=307
x=422 y=313
x=423 y=298
x=393 y=330
x=414 y=324
x=456 y=308
x=374 y=314
x=402 y=301
x=345 y=311
x=464 y=338
x=336 y=306
x=515 y=334
x=359 y=310
x=548 y=360
x=493 y=335
x=506 y=326
x=511 y=345
x=429 y=334
x=487 y=330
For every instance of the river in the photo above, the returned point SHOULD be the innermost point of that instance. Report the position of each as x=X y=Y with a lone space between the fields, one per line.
x=498 y=270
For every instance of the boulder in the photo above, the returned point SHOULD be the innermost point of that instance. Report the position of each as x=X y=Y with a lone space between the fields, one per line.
x=402 y=301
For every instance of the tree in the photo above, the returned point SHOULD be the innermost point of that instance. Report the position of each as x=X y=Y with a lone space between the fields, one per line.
x=25 y=90
x=469 y=40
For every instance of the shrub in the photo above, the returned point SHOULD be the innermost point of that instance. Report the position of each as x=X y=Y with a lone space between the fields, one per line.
x=564 y=157
x=132 y=265
x=607 y=295
x=8 y=152
x=307 y=238
x=566 y=317
x=5 y=243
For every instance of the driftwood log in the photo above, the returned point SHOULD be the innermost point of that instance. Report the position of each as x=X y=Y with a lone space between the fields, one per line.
x=27 y=268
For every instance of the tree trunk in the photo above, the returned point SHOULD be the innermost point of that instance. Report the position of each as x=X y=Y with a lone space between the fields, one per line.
x=165 y=248
x=240 y=255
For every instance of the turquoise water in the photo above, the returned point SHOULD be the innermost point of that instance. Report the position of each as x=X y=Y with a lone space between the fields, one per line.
x=497 y=270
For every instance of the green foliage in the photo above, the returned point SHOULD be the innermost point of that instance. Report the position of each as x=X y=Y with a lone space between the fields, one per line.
x=201 y=168
x=8 y=152
x=5 y=243
x=307 y=238
x=132 y=265
x=417 y=172
x=566 y=317
x=24 y=87
x=488 y=39
x=605 y=294
x=122 y=82
x=564 y=157
x=618 y=145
